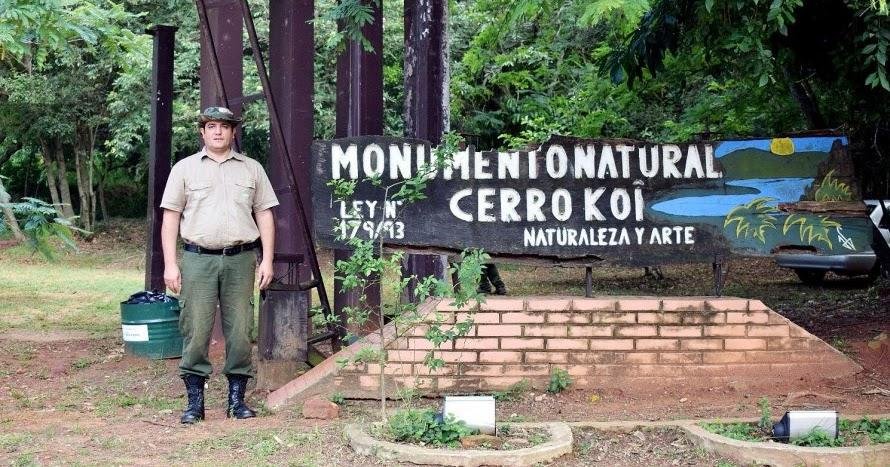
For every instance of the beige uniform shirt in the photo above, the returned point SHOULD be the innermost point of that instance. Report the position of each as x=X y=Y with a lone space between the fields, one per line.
x=217 y=199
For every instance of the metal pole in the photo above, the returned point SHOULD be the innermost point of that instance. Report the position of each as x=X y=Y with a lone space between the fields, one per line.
x=360 y=112
x=160 y=149
x=426 y=101
x=225 y=69
x=217 y=69
x=278 y=136
x=283 y=332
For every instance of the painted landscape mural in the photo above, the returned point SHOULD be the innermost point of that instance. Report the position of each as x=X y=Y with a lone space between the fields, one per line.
x=581 y=200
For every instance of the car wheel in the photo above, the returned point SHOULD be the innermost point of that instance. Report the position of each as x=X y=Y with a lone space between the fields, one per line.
x=810 y=276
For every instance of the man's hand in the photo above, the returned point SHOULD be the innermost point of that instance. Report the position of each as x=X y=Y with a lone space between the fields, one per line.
x=172 y=278
x=265 y=274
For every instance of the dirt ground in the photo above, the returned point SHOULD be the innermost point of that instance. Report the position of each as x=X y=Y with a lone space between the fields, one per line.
x=76 y=400
x=68 y=397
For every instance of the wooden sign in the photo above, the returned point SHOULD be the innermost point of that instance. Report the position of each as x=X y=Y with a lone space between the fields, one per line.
x=580 y=200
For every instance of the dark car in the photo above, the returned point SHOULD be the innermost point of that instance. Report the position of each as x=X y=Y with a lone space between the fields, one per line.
x=811 y=268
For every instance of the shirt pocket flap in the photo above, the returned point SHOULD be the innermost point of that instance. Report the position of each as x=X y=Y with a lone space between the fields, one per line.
x=198 y=185
x=246 y=183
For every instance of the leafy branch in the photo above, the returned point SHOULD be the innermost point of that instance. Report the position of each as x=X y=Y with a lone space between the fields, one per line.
x=40 y=223
x=352 y=16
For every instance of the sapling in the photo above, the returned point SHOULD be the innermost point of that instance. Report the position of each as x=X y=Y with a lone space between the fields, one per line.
x=369 y=263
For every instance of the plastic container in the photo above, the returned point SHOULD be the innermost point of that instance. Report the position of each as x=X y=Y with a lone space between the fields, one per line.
x=476 y=411
x=151 y=329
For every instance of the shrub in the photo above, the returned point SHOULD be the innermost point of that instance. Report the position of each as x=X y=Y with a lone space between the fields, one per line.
x=766 y=415
x=513 y=392
x=425 y=427
x=559 y=380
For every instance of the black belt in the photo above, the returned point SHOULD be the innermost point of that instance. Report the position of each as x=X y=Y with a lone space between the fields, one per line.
x=227 y=251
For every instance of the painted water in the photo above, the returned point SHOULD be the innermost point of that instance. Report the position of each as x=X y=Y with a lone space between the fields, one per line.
x=782 y=190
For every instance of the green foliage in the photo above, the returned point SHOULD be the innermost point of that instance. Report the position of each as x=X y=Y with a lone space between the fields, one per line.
x=513 y=392
x=832 y=189
x=810 y=231
x=337 y=398
x=538 y=438
x=878 y=431
x=739 y=431
x=765 y=423
x=353 y=15
x=756 y=211
x=817 y=437
x=559 y=380
x=850 y=433
x=34 y=30
x=41 y=224
x=421 y=426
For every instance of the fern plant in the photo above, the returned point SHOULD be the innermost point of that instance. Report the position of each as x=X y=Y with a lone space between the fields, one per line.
x=41 y=224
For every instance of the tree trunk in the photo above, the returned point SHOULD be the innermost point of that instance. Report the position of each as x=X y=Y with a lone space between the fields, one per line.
x=90 y=170
x=803 y=95
x=82 y=164
x=10 y=217
x=49 y=164
x=62 y=177
x=100 y=193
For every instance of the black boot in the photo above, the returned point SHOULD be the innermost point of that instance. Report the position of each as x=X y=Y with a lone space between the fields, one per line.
x=237 y=407
x=494 y=276
x=194 y=388
x=484 y=283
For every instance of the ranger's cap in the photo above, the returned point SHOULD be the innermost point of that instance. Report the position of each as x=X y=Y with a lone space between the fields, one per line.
x=218 y=114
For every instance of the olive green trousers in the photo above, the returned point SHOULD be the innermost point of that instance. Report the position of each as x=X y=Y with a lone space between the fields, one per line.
x=206 y=281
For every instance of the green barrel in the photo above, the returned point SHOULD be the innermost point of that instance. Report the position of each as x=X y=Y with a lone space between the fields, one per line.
x=151 y=329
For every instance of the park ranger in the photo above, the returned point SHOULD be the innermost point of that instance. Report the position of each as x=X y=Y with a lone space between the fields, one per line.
x=220 y=202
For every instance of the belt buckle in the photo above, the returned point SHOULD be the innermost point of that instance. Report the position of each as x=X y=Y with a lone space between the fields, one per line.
x=231 y=250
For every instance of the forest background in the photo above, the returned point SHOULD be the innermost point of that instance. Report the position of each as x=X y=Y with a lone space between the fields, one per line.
x=75 y=82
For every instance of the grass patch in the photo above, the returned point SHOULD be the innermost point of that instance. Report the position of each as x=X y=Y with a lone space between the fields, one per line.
x=72 y=294
x=122 y=401
x=739 y=431
x=12 y=442
x=82 y=362
x=253 y=446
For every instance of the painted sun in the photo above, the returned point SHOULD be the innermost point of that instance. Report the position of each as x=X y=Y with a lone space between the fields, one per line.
x=781 y=146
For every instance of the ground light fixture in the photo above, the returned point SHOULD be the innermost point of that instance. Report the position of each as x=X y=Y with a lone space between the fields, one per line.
x=797 y=423
x=476 y=411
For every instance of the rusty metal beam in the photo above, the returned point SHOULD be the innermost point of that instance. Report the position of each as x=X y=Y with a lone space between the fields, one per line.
x=221 y=75
x=284 y=327
x=426 y=100
x=221 y=71
x=160 y=149
x=359 y=112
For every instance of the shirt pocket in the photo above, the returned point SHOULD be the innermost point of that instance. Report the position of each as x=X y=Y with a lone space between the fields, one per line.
x=198 y=192
x=245 y=189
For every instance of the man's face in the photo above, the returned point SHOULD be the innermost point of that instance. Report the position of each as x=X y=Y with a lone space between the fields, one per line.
x=218 y=136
